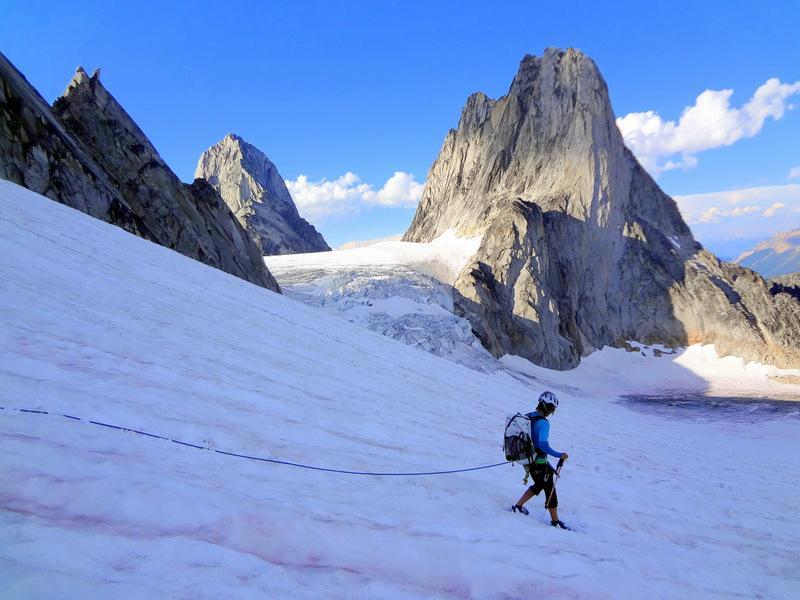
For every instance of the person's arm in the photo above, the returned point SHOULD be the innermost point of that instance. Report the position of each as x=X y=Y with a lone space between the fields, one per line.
x=543 y=432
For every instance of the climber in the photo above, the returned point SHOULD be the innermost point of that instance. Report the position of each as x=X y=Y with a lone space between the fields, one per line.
x=541 y=471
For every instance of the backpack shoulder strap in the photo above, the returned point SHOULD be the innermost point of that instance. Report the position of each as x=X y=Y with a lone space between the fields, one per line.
x=534 y=419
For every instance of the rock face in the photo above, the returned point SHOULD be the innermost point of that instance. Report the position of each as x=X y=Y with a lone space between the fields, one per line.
x=87 y=153
x=790 y=280
x=38 y=153
x=191 y=219
x=779 y=255
x=580 y=246
x=786 y=284
x=256 y=193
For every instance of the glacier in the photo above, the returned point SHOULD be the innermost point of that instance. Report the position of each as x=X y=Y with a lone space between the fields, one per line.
x=100 y=324
x=398 y=289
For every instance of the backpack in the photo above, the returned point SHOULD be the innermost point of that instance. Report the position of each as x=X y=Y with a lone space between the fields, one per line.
x=517 y=441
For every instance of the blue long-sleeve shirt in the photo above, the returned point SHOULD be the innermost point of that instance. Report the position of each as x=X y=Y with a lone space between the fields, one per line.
x=540 y=431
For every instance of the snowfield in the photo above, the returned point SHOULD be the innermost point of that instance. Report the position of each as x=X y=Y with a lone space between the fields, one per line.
x=102 y=325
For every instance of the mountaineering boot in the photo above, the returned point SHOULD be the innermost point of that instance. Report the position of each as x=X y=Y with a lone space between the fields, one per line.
x=560 y=525
x=520 y=509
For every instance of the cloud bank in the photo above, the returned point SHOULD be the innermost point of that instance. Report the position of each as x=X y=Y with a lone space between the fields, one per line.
x=711 y=122
x=347 y=195
x=729 y=222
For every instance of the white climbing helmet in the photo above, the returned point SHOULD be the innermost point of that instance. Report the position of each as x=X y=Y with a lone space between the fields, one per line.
x=549 y=398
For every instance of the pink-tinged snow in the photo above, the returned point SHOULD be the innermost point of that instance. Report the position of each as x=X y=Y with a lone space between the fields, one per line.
x=99 y=324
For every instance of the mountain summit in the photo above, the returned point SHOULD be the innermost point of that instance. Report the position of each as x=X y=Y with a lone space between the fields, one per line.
x=580 y=246
x=256 y=193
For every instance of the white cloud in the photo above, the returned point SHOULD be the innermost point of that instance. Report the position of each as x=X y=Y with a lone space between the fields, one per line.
x=735 y=220
x=744 y=210
x=400 y=190
x=711 y=207
x=714 y=213
x=348 y=195
x=364 y=243
x=710 y=215
x=711 y=122
x=770 y=212
x=794 y=173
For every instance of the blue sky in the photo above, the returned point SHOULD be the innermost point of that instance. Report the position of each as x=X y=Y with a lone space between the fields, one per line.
x=371 y=88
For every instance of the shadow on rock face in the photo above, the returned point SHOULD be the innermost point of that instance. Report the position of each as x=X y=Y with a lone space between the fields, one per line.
x=552 y=289
x=541 y=287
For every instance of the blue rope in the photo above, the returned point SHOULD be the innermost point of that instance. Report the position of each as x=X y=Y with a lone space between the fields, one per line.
x=261 y=458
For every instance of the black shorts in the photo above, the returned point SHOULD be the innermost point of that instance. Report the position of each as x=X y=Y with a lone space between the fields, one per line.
x=543 y=480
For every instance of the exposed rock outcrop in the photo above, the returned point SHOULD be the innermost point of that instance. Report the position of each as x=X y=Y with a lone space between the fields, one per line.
x=790 y=280
x=256 y=193
x=87 y=153
x=580 y=246
x=786 y=284
x=38 y=153
x=191 y=219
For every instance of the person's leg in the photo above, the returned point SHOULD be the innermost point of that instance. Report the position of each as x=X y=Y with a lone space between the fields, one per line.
x=533 y=490
x=529 y=493
x=551 y=496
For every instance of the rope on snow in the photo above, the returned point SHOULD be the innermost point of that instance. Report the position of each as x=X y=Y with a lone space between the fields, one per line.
x=256 y=458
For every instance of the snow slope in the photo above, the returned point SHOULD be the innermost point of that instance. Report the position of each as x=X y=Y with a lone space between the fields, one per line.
x=103 y=325
x=697 y=369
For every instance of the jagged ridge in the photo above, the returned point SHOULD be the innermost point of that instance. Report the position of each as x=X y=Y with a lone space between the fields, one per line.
x=200 y=226
x=86 y=152
x=39 y=154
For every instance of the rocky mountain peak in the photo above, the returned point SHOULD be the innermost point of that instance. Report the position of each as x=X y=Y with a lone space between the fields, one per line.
x=564 y=88
x=251 y=161
x=555 y=70
x=549 y=140
x=84 y=95
x=190 y=219
x=580 y=247
x=37 y=152
x=556 y=87
x=476 y=110
x=251 y=185
x=78 y=78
